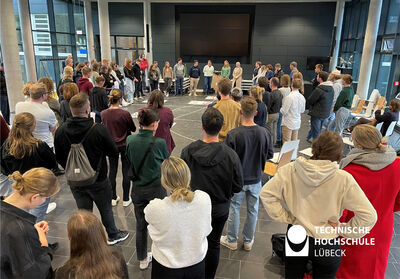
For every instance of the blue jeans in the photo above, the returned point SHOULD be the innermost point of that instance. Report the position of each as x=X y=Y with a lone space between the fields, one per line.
x=328 y=121
x=279 y=128
x=129 y=89
x=179 y=85
x=207 y=84
x=40 y=211
x=252 y=193
x=316 y=127
x=342 y=117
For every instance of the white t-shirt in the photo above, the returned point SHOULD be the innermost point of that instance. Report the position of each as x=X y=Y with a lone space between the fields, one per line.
x=285 y=91
x=179 y=229
x=293 y=105
x=45 y=120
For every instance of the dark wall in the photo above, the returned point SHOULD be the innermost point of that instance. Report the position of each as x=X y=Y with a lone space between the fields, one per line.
x=282 y=33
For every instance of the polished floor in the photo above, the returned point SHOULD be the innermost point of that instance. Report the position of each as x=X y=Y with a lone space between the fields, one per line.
x=259 y=263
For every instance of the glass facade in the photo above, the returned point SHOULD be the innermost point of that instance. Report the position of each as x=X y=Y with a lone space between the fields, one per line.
x=126 y=47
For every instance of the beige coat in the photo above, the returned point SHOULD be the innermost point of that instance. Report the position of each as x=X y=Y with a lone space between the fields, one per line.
x=237 y=77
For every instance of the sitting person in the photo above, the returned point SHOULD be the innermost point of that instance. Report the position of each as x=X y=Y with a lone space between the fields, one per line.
x=374 y=166
x=24 y=247
x=300 y=185
x=179 y=251
x=90 y=256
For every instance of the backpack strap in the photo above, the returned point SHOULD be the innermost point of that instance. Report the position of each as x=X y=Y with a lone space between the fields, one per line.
x=88 y=132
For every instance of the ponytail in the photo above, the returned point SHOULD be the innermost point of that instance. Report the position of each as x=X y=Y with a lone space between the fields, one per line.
x=40 y=181
x=19 y=181
x=182 y=194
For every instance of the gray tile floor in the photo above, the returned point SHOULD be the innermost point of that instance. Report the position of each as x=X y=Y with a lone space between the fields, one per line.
x=259 y=263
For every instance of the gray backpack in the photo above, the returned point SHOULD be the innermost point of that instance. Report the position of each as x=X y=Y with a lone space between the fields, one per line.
x=78 y=170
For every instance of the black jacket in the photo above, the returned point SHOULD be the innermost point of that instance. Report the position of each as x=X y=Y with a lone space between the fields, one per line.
x=216 y=170
x=279 y=74
x=128 y=73
x=43 y=156
x=97 y=145
x=261 y=117
x=98 y=99
x=65 y=110
x=136 y=72
x=109 y=80
x=320 y=101
x=194 y=72
x=22 y=255
x=76 y=76
x=3 y=86
x=387 y=118
x=275 y=102
x=119 y=75
x=315 y=82
x=266 y=98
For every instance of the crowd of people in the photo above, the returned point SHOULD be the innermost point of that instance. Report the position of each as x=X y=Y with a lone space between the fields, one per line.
x=184 y=203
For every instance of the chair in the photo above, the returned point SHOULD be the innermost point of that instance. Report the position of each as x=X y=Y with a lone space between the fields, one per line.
x=356 y=99
x=348 y=141
x=359 y=107
x=272 y=168
x=380 y=103
x=379 y=126
x=374 y=96
x=306 y=152
x=367 y=113
x=390 y=129
x=287 y=146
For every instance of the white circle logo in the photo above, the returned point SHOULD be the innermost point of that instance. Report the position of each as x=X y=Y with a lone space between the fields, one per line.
x=296 y=234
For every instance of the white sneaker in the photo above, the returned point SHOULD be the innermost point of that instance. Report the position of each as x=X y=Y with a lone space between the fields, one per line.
x=51 y=207
x=136 y=98
x=114 y=202
x=231 y=245
x=127 y=203
x=145 y=263
x=248 y=245
x=141 y=98
x=124 y=103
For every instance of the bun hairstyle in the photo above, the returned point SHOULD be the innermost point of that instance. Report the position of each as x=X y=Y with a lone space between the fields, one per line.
x=114 y=96
x=257 y=91
x=40 y=181
x=148 y=116
x=175 y=177
x=369 y=138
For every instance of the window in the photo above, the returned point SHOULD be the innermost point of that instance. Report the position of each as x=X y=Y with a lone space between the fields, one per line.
x=126 y=47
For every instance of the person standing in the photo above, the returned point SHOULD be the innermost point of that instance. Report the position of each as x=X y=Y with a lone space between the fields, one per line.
x=285 y=91
x=293 y=106
x=228 y=107
x=345 y=97
x=97 y=144
x=320 y=102
x=84 y=84
x=318 y=68
x=253 y=145
x=98 y=98
x=67 y=78
x=278 y=70
x=208 y=72
x=144 y=65
x=120 y=124
x=167 y=74
x=269 y=73
x=237 y=76
x=293 y=68
x=226 y=70
x=129 y=80
x=5 y=107
x=154 y=76
x=138 y=94
x=68 y=90
x=95 y=70
x=179 y=251
x=179 y=75
x=146 y=154
x=194 y=76
x=108 y=78
x=216 y=170
x=261 y=116
x=274 y=108
x=256 y=72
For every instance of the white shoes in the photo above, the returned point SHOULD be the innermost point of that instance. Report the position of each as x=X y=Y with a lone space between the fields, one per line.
x=145 y=263
x=127 y=203
x=248 y=245
x=125 y=103
x=231 y=245
x=51 y=207
x=114 y=202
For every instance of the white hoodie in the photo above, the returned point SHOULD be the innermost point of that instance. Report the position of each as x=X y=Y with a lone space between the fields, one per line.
x=314 y=192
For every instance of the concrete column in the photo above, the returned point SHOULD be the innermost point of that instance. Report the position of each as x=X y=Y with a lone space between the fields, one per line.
x=338 y=24
x=147 y=21
x=10 y=54
x=89 y=30
x=104 y=26
x=367 y=58
x=26 y=31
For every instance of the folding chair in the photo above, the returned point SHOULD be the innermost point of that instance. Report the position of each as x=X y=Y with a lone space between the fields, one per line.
x=356 y=99
x=271 y=168
x=359 y=107
x=287 y=146
x=390 y=129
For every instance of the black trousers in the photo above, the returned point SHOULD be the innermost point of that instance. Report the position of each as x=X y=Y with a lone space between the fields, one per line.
x=138 y=89
x=141 y=197
x=159 y=271
x=126 y=182
x=212 y=257
x=153 y=84
x=100 y=194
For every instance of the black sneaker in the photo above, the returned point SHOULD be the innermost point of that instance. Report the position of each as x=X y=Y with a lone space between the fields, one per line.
x=53 y=246
x=119 y=237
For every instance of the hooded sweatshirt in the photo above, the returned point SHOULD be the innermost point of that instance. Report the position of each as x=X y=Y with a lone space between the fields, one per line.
x=216 y=170
x=84 y=85
x=98 y=99
x=315 y=192
x=321 y=100
x=374 y=160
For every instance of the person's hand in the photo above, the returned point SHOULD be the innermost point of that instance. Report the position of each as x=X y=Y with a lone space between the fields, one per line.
x=43 y=225
x=41 y=232
x=176 y=78
x=373 y=120
x=136 y=80
x=335 y=225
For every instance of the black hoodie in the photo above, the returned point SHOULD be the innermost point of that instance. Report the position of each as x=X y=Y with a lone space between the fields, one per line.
x=98 y=99
x=320 y=101
x=216 y=170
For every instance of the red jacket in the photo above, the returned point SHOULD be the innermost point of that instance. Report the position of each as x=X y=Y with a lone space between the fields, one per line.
x=382 y=188
x=84 y=85
x=144 y=64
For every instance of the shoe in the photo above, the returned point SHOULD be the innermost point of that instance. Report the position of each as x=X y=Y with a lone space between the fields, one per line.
x=51 y=207
x=114 y=202
x=127 y=203
x=141 y=97
x=309 y=140
x=224 y=242
x=121 y=236
x=53 y=246
x=145 y=263
x=248 y=245
x=136 y=98
x=125 y=104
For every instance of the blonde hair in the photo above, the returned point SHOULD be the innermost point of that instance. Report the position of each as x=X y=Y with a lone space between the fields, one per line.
x=257 y=91
x=369 y=138
x=25 y=90
x=40 y=181
x=175 y=177
x=68 y=73
x=299 y=75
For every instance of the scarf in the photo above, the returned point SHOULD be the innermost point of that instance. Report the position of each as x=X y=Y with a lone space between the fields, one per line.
x=374 y=160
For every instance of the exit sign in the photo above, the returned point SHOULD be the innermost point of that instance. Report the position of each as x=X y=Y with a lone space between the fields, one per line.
x=396 y=83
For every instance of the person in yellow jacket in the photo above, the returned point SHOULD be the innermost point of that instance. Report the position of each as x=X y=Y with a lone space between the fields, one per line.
x=237 y=76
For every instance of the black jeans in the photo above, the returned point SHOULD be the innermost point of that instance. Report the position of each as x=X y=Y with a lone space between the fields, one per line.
x=126 y=183
x=322 y=266
x=212 y=257
x=100 y=194
x=159 y=271
x=5 y=108
x=138 y=89
x=141 y=197
x=153 y=84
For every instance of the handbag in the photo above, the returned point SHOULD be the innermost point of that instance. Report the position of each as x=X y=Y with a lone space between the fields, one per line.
x=132 y=175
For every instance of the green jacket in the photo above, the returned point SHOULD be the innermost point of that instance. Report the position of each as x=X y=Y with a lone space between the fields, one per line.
x=226 y=72
x=136 y=147
x=345 y=98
